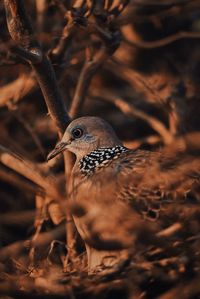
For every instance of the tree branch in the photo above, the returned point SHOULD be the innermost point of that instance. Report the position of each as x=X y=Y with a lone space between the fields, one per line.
x=90 y=66
x=29 y=171
x=29 y=49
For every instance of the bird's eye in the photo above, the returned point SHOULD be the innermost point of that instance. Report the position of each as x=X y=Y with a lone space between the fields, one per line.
x=77 y=133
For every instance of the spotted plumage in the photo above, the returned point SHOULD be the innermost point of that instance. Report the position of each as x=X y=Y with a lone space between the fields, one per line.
x=113 y=184
x=100 y=158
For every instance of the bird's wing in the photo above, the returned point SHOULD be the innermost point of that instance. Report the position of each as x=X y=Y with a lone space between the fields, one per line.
x=145 y=180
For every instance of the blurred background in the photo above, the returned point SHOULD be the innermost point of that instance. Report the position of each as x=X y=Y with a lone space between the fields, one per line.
x=144 y=80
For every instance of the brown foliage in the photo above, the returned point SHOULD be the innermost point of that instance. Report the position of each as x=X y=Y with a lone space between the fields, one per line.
x=136 y=64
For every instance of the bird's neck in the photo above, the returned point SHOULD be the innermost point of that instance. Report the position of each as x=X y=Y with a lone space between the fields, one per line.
x=99 y=158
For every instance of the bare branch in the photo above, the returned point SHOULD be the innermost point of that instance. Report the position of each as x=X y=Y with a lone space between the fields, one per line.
x=15 y=179
x=17 y=218
x=129 y=109
x=30 y=171
x=129 y=37
x=43 y=239
x=16 y=90
x=29 y=49
x=90 y=66
x=153 y=122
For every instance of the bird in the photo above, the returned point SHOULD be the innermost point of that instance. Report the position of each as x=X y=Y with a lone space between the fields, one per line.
x=107 y=183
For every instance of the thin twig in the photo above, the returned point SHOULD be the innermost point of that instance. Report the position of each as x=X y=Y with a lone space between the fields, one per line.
x=91 y=65
x=152 y=140
x=30 y=171
x=10 y=92
x=135 y=78
x=158 y=43
x=153 y=122
x=129 y=109
x=119 y=7
x=43 y=239
x=15 y=179
x=31 y=132
x=17 y=218
x=65 y=41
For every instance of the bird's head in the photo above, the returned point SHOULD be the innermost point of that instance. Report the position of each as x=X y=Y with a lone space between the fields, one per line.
x=84 y=135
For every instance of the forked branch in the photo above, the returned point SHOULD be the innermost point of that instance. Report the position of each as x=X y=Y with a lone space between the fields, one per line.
x=29 y=49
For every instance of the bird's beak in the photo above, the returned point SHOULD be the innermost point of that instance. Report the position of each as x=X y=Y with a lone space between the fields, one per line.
x=59 y=148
